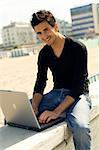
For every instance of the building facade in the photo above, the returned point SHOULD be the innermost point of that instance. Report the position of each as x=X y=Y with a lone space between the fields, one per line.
x=65 y=28
x=85 y=20
x=17 y=34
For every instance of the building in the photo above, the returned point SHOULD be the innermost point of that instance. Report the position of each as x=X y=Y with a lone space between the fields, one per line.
x=16 y=34
x=65 y=28
x=85 y=20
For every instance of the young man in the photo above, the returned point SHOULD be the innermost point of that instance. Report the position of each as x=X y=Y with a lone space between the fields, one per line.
x=67 y=60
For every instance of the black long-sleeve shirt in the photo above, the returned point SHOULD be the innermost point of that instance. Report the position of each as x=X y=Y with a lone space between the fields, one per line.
x=69 y=70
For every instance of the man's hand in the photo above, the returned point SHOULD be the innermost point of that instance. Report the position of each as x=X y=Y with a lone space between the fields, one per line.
x=47 y=116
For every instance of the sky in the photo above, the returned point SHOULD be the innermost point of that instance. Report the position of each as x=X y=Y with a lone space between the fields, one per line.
x=22 y=10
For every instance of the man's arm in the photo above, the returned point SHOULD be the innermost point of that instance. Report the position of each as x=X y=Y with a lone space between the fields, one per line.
x=36 y=101
x=47 y=115
x=64 y=105
x=41 y=78
x=80 y=75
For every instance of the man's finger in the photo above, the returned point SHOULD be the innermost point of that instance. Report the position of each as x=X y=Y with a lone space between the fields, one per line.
x=48 y=119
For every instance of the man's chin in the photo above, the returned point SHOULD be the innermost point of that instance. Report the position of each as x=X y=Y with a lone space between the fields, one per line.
x=49 y=43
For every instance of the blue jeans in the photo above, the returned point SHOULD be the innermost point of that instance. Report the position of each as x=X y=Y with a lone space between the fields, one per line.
x=77 y=115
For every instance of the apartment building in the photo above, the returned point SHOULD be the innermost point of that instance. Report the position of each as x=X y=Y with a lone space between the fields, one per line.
x=65 y=28
x=16 y=34
x=85 y=20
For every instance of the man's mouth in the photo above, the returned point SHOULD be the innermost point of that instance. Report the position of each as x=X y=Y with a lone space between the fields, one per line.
x=48 y=39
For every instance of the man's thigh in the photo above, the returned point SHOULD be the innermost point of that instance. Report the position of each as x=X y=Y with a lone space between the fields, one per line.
x=49 y=101
x=79 y=114
x=52 y=99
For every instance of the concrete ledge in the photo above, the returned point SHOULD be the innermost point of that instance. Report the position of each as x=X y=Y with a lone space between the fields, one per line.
x=57 y=137
x=94 y=126
x=16 y=138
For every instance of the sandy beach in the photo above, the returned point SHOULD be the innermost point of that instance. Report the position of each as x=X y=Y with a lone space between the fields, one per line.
x=20 y=73
x=93 y=61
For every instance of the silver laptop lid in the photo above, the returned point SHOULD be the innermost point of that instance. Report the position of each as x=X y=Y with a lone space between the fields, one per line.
x=17 y=108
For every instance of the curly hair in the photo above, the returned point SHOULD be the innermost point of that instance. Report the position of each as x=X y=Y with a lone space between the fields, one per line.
x=42 y=15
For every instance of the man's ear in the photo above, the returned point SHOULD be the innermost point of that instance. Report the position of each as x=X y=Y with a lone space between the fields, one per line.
x=56 y=27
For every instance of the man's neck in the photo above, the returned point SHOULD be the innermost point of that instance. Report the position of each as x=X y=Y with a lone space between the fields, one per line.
x=59 y=43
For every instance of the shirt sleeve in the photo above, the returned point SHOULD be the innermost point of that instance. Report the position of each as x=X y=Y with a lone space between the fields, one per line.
x=79 y=78
x=41 y=74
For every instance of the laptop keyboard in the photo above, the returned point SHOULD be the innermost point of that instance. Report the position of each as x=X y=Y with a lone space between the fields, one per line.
x=52 y=122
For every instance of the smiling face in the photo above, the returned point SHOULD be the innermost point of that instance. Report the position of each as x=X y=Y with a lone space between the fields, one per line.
x=46 y=32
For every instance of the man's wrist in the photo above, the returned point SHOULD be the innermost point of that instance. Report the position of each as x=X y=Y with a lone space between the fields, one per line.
x=64 y=105
x=57 y=111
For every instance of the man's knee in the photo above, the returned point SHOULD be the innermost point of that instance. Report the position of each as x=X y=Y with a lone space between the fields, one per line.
x=81 y=131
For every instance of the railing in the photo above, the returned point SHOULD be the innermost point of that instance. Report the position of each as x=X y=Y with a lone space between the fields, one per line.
x=94 y=78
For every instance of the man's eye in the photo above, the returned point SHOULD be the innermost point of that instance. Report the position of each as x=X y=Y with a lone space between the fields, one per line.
x=46 y=30
x=38 y=33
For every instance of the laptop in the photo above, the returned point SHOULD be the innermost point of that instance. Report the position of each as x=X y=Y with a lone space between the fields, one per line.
x=18 y=111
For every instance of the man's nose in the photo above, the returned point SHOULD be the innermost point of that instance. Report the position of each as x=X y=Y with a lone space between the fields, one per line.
x=44 y=35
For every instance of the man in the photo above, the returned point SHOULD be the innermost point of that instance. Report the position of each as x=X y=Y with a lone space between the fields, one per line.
x=67 y=60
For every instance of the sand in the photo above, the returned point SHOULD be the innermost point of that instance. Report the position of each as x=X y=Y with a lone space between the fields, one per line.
x=20 y=73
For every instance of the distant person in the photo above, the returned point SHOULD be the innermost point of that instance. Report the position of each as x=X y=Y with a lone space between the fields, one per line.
x=67 y=60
